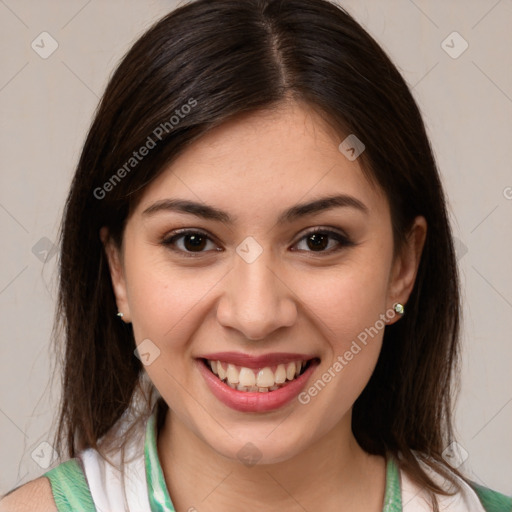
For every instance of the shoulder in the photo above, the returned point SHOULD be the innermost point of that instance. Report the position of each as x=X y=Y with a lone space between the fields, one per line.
x=34 y=496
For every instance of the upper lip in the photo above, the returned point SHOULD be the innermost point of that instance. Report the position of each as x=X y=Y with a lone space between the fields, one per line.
x=255 y=362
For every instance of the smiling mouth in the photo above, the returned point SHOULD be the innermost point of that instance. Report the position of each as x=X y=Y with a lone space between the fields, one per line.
x=263 y=380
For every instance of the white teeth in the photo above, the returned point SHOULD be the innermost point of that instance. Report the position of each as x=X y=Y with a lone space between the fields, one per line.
x=232 y=375
x=262 y=380
x=280 y=374
x=265 y=378
x=247 y=377
x=290 y=371
x=220 y=371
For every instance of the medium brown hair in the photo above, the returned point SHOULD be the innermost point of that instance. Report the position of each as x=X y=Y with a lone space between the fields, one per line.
x=233 y=57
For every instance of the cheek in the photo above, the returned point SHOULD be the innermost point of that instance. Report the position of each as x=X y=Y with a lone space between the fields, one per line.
x=345 y=299
x=165 y=300
x=168 y=305
x=348 y=305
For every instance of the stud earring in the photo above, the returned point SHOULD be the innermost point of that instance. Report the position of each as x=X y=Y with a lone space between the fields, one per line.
x=399 y=308
x=120 y=315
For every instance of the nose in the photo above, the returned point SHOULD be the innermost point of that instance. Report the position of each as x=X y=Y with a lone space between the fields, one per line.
x=256 y=301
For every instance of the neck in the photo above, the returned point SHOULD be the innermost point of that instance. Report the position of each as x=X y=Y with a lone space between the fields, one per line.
x=334 y=473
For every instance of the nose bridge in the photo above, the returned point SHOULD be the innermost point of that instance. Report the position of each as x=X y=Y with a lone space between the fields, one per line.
x=256 y=301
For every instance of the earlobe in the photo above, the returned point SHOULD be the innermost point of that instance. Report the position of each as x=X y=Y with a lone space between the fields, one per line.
x=405 y=267
x=112 y=253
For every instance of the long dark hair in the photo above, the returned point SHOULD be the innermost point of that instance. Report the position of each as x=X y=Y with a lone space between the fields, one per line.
x=224 y=58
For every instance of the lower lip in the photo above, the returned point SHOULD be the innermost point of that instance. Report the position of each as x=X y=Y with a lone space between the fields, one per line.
x=246 y=401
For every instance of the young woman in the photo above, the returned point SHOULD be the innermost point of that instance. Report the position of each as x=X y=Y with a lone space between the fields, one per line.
x=258 y=282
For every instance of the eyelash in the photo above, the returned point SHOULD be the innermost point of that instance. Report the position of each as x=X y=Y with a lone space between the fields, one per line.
x=343 y=241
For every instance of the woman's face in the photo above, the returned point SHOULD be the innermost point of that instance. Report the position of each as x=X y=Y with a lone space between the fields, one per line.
x=253 y=288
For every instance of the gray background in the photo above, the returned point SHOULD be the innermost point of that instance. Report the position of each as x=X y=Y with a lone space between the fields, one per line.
x=47 y=105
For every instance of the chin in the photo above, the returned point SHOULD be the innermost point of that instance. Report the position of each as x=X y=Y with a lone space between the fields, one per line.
x=260 y=446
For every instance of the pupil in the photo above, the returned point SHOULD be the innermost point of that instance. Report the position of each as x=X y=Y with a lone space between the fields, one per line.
x=194 y=241
x=317 y=243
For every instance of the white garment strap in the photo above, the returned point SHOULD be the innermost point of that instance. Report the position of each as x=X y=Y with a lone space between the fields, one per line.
x=109 y=491
x=110 y=494
x=415 y=498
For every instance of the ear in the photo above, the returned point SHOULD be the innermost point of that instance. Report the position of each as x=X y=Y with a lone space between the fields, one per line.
x=115 y=265
x=406 y=264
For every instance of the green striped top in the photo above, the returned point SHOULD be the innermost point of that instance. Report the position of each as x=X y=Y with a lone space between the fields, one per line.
x=71 y=490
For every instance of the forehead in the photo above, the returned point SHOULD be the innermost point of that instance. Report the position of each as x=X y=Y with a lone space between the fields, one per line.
x=260 y=162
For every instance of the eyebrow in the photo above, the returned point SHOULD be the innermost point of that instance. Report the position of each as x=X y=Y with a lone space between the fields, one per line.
x=290 y=215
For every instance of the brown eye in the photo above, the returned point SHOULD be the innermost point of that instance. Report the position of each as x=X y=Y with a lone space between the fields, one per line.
x=318 y=240
x=192 y=242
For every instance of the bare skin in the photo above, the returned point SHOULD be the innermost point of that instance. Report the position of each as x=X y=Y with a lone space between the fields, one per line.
x=291 y=298
x=34 y=496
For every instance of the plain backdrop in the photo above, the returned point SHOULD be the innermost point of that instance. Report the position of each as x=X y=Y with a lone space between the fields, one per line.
x=47 y=104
